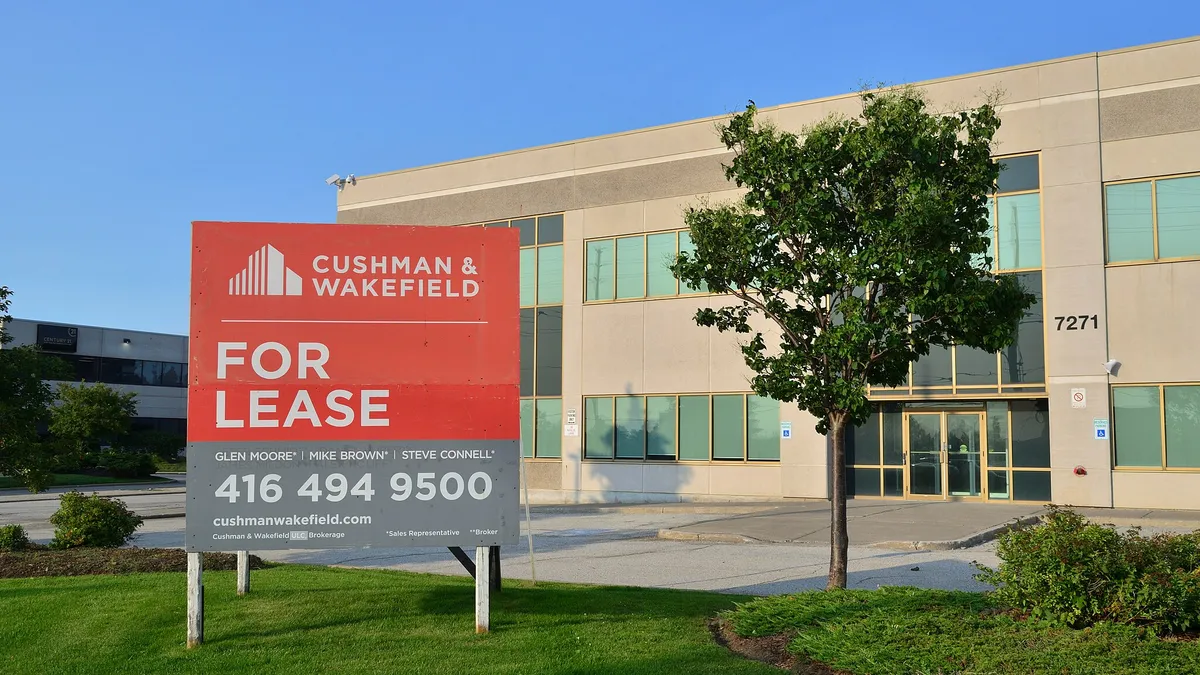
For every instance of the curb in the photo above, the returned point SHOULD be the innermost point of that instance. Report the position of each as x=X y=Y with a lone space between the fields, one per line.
x=160 y=516
x=968 y=541
x=711 y=537
x=48 y=496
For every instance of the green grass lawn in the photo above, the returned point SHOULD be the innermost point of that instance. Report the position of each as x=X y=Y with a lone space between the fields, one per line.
x=905 y=631
x=64 y=479
x=301 y=619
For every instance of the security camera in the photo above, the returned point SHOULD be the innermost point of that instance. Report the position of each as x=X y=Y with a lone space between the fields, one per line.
x=1112 y=366
x=352 y=180
x=333 y=180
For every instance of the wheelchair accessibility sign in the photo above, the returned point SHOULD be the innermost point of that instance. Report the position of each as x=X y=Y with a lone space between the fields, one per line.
x=1100 y=426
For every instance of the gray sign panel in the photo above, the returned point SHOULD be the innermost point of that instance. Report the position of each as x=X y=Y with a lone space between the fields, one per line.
x=272 y=495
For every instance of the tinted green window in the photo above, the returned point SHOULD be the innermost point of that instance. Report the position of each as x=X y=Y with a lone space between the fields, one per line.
x=1129 y=215
x=893 y=435
x=1024 y=361
x=527 y=427
x=762 y=430
x=975 y=366
x=1030 y=433
x=728 y=427
x=686 y=246
x=601 y=263
x=1137 y=428
x=660 y=253
x=1178 y=203
x=693 y=428
x=1019 y=230
x=863 y=442
x=550 y=229
x=529 y=277
x=598 y=435
x=893 y=482
x=977 y=260
x=527 y=339
x=997 y=434
x=864 y=483
x=528 y=229
x=548 y=375
x=631 y=427
x=549 y=427
x=631 y=275
x=1031 y=486
x=660 y=426
x=1018 y=174
x=933 y=369
x=997 y=484
x=550 y=275
x=1183 y=426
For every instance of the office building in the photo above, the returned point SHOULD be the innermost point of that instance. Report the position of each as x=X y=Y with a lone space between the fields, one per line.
x=151 y=365
x=625 y=399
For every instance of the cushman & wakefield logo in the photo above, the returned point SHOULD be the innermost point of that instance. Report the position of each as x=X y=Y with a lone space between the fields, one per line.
x=379 y=276
x=265 y=274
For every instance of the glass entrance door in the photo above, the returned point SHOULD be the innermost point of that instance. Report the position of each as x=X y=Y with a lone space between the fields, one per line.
x=945 y=454
x=964 y=459
x=925 y=454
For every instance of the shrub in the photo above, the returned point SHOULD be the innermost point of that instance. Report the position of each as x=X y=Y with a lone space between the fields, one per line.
x=128 y=464
x=1070 y=572
x=93 y=520
x=13 y=538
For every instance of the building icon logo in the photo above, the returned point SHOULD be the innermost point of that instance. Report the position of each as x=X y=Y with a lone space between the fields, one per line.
x=265 y=274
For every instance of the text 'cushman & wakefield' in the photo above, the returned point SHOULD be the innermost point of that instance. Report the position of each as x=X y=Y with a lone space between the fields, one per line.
x=382 y=276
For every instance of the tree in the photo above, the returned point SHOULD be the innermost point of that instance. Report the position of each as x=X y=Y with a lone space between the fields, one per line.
x=865 y=243
x=25 y=400
x=87 y=415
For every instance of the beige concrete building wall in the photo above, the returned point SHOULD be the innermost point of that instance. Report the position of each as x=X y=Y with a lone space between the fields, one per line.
x=1150 y=127
x=1092 y=119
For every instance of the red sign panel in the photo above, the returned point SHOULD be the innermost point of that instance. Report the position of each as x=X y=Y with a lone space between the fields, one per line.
x=303 y=332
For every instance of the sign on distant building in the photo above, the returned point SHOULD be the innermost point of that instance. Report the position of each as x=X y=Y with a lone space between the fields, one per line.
x=57 y=338
x=353 y=386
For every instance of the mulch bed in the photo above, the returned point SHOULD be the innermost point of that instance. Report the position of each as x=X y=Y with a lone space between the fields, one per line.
x=772 y=650
x=41 y=562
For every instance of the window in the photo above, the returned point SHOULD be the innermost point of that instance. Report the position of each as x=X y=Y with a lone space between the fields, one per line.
x=660 y=255
x=548 y=354
x=635 y=267
x=1020 y=367
x=83 y=368
x=541 y=332
x=631 y=271
x=1157 y=426
x=1157 y=219
x=688 y=427
x=1016 y=434
x=882 y=435
x=1015 y=212
x=128 y=371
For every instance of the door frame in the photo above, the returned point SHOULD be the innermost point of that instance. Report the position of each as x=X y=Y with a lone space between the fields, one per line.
x=943 y=455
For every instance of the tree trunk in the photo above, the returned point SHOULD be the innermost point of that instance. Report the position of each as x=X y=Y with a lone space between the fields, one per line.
x=839 y=539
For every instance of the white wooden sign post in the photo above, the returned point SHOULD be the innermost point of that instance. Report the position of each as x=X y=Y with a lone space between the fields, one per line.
x=195 y=599
x=243 y=572
x=483 y=588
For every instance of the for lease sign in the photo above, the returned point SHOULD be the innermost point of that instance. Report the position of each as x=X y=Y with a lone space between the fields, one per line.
x=352 y=385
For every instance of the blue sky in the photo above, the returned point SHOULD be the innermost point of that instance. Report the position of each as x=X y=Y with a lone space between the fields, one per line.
x=121 y=122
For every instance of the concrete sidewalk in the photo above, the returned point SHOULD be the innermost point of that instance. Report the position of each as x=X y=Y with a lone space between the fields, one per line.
x=912 y=525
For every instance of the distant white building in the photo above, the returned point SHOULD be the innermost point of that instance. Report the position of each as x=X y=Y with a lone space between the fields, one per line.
x=151 y=365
